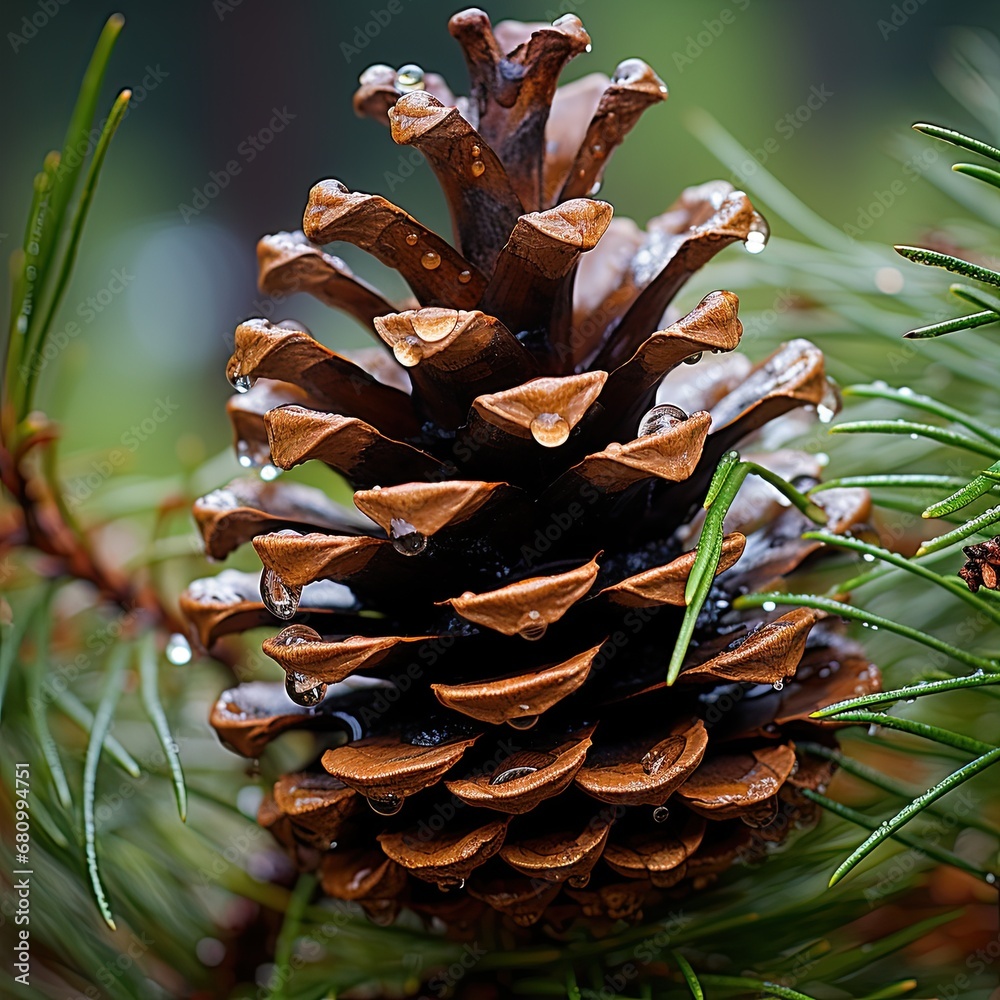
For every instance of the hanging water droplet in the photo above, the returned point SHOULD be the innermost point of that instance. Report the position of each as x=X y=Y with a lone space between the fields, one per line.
x=991 y=878
x=304 y=690
x=579 y=881
x=868 y=557
x=550 y=430
x=178 y=650
x=278 y=597
x=269 y=472
x=523 y=722
x=661 y=419
x=778 y=685
x=595 y=189
x=464 y=277
x=768 y=606
x=757 y=236
x=387 y=805
x=661 y=814
x=406 y=540
x=243 y=455
x=409 y=78
x=411 y=239
x=531 y=626
x=407 y=351
x=694 y=358
x=431 y=260
x=242 y=383
x=477 y=168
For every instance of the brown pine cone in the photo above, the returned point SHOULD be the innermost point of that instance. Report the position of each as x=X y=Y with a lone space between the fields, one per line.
x=481 y=646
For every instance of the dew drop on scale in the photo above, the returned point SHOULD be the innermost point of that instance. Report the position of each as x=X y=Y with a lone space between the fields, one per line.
x=304 y=690
x=523 y=722
x=409 y=78
x=411 y=239
x=660 y=419
x=531 y=626
x=407 y=351
x=279 y=598
x=387 y=805
x=430 y=260
x=550 y=430
x=406 y=540
x=661 y=814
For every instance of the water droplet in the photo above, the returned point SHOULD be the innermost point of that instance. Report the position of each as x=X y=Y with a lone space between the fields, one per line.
x=579 y=881
x=407 y=351
x=278 y=597
x=431 y=260
x=531 y=626
x=409 y=78
x=524 y=722
x=550 y=430
x=411 y=239
x=757 y=236
x=304 y=690
x=991 y=878
x=661 y=814
x=824 y=413
x=406 y=540
x=868 y=557
x=914 y=437
x=661 y=419
x=768 y=606
x=595 y=189
x=243 y=455
x=511 y=773
x=694 y=358
x=269 y=472
x=464 y=277
x=597 y=151
x=242 y=383
x=477 y=168
x=778 y=685
x=387 y=805
x=476 y=151
x=178 y=650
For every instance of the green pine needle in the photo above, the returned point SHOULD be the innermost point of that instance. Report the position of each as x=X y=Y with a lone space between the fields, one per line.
x=906 y=693
x=986 y=174
x=969 y=322
x=149 y=684
x=689 y=976
x=885 y=830
x=983 y=523
x=958 y=139
x=927 y=431
x=102 y=723
x=932 y=258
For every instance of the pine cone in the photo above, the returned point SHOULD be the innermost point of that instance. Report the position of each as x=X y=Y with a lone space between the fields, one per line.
x=481 y=647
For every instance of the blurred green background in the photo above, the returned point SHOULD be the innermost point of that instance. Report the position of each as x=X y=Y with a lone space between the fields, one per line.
x=209 y=75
